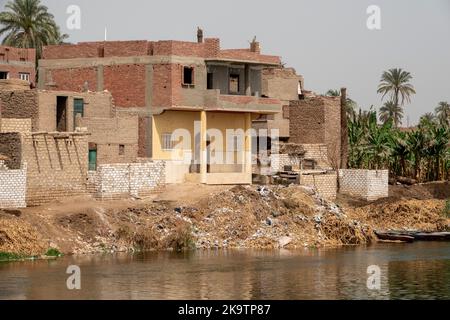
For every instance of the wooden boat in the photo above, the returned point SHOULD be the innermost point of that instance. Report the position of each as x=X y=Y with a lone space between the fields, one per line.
x=432 y=236
x=393 y=236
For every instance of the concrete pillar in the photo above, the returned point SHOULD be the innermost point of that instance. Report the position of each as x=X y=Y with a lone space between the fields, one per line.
x=248 y=147
x=203 y=156
x=248 y=89
x=100 y=80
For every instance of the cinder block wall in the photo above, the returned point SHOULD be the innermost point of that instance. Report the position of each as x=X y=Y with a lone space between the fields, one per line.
x=325 y=184
x=367 y=184
x=12 y=186
x=115 y=181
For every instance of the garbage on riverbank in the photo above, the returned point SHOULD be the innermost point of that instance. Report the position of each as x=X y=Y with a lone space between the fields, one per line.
x=237 y=217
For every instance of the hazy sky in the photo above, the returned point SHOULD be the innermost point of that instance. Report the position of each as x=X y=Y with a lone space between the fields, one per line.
x=326 y=41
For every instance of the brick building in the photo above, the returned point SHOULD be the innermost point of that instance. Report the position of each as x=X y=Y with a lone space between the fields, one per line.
x=172 y=85
x=18 y=63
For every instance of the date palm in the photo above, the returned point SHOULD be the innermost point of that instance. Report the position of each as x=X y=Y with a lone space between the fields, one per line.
x=28 y=24
x=391 y=112
x=396 y=84
x=443 y=113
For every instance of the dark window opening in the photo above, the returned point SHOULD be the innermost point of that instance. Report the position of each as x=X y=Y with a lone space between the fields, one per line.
x=61 y=114
x=3 y=75
x=234 y=83
x=101 y=52
x=121 y=149
x=188 y=75
x=209 y=81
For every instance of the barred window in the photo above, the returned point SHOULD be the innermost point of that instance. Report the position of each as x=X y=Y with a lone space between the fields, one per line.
x=166 y=141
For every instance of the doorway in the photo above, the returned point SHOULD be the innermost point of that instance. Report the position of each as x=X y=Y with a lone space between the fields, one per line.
x=61 y=114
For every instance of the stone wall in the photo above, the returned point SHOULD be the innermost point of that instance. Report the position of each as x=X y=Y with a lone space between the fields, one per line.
x=366 y=184
x=115 y=181
x=325 y=184
x=12 y=186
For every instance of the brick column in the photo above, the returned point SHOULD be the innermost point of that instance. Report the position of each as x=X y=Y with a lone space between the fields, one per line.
x=248 y=89
x=248 y=147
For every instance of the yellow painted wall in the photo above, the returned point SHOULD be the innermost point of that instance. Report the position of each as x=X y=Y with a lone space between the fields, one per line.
x=169 y=121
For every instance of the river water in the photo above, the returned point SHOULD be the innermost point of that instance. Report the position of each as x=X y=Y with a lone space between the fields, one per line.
x=408 y=271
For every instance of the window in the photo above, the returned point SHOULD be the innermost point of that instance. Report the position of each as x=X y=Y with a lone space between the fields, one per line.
x=78 y=109
x=188 y=76
x=209 y=81
x=24 y=76
x=234 y=83
x=121 y=149
x=4 y=75
x=166 y=141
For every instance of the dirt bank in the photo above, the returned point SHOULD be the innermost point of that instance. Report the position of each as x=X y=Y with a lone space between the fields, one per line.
x=216 y=217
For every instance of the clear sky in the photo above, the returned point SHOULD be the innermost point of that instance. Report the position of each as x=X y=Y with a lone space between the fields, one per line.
x=327 y=41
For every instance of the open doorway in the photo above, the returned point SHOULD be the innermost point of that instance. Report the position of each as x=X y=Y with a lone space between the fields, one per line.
x=61 y=114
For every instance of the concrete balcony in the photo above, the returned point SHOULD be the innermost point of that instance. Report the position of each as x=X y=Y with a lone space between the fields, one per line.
x=212 y=100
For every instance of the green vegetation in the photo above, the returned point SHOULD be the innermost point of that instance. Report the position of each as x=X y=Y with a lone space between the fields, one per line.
x=447 y=208
x=28 y=24
x=8 y=256
x=52 y=252
x=421 y=153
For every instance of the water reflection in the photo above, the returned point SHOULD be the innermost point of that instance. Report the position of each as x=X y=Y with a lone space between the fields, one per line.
x=411 y=271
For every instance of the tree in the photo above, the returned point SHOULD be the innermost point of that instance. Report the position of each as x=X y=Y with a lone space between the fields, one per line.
x=395 y=83
x=427 y=118
x=391 y=112
x=351 y=105
x=28 y=24
x=443 y=113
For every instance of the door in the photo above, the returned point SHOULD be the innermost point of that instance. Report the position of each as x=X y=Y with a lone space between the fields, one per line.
x=92 y=160
x=78 y=109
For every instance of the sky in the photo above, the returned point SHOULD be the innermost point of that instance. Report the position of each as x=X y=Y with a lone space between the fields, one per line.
x=326 y=41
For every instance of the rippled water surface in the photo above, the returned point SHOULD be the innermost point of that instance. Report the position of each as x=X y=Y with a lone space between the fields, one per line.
x=408 y=271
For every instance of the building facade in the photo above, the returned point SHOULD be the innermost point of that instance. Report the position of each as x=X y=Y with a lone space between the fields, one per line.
x=18 y=63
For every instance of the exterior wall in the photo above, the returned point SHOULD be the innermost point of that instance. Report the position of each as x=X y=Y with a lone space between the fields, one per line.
x=57 y=167
x=22 y=104
x=316 y=152
x=12 y=187
x=11 y=147
x=15 y=125
x=109 y=133
x=18 y=60
x=367 y=184
x=325 y=184
x=317 y=120
x=281 y=83
x=112 y=181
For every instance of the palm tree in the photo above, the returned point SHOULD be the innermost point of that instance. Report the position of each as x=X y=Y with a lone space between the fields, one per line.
x=351 y=105
x=443 y=113
x=28 y=24
x=391 y=112
x=395 y=83
x=427 y=119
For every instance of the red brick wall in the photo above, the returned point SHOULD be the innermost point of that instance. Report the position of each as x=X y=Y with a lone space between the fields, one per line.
x=10 y=59
x=126 y=48
x=73 y=79
x=126 y=83
x=17 y=54
x=81 y=50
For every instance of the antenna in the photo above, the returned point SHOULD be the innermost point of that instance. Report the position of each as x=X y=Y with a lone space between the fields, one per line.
x=106 y=34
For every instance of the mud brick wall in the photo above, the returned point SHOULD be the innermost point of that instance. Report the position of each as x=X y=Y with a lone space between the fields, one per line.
x=12 y=187
x=115 y=181
x=11 y=147
x=325 y=184
x=317 y=120
x=15 y=125
x=366 y=184
x=57 y=167
x=20 y=105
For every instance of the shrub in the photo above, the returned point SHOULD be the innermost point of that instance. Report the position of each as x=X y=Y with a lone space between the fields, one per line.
x=52 y=252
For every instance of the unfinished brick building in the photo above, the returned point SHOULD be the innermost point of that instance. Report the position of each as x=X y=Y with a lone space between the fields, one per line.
x=18 y=63
x=171 y=85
